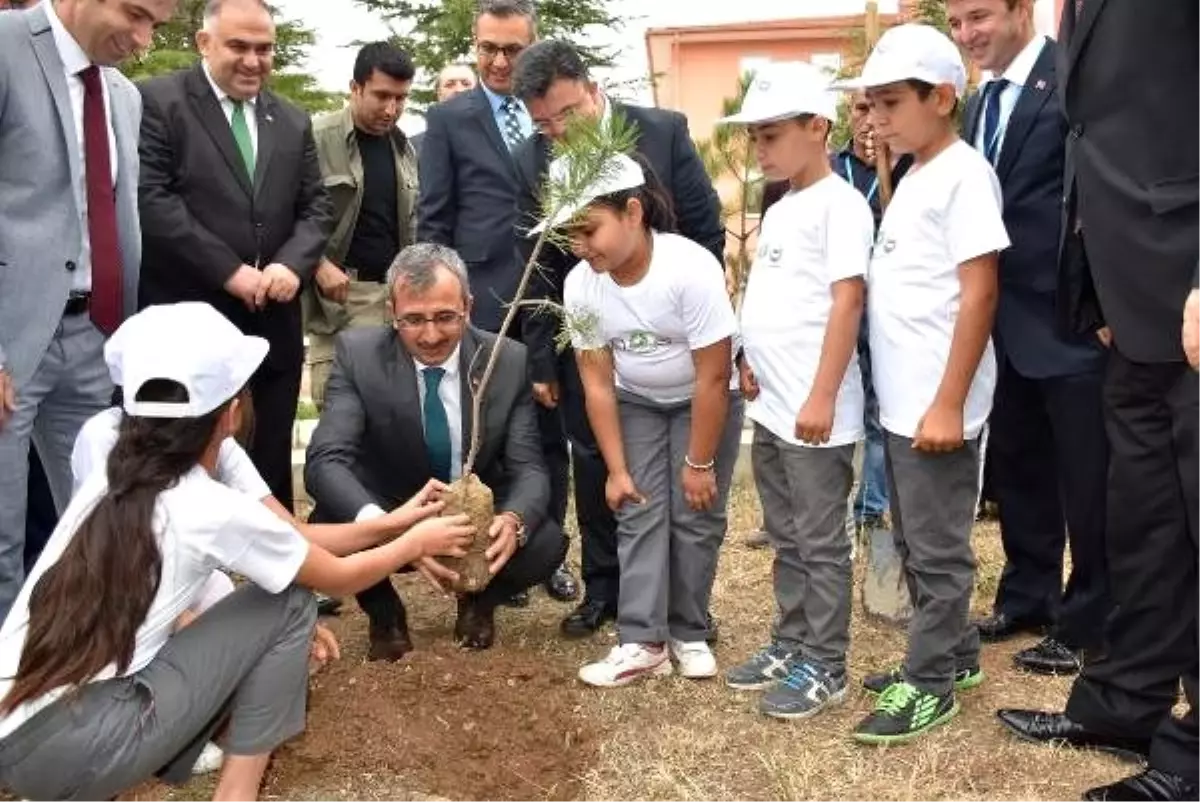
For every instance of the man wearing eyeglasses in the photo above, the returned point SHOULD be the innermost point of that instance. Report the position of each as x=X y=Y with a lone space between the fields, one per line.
x=398 y=414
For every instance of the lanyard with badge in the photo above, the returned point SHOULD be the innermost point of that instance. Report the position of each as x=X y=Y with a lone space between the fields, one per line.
x=848 y=169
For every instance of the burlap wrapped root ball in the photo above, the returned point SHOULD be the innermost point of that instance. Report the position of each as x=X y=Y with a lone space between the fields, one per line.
x=471 y=496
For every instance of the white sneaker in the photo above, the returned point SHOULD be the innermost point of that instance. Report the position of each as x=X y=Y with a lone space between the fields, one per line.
x=211 y=758
x=624 y=664
x=695 y=659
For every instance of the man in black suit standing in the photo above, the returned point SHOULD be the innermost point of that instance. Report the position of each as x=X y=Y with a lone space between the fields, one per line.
x=398 y=413
x=1048 y=448
x=233 y=209
x=554 y=83
x=1130 y=263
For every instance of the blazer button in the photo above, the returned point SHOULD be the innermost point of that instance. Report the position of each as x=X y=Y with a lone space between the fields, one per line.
x=70 y=266
x=1077 y=130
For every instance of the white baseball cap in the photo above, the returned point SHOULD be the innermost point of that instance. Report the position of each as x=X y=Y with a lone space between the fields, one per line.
x=911 y=51
x=190 y=343
x=785 y=89
x=618 y=174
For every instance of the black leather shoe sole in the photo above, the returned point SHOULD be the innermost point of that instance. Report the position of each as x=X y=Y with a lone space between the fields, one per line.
x=584 y=626
x=1128 y=754
x=1010 y=630
x=1045 y=668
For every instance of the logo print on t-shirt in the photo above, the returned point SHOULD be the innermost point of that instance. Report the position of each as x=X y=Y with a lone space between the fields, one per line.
x=771 y=253
x=641 y=343
x=883 y=244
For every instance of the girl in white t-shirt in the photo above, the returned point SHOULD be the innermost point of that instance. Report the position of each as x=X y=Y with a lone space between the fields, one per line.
x=652 y=328
x=99 y=688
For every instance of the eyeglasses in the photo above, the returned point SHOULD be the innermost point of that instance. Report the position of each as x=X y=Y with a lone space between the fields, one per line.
x=491 y=50
x=443 y=320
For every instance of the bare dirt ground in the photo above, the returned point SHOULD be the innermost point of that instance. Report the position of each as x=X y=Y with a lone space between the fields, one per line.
x=514 y=723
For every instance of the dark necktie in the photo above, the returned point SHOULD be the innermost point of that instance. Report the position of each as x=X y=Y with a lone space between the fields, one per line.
x=512 y=123
x=106 y=300
x=991 y=118
x=437 y=425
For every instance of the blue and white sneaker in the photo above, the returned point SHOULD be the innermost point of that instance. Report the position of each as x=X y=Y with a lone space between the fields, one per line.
x=805 y=691
x=767 y=666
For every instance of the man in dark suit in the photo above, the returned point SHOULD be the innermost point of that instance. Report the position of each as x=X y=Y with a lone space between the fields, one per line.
x=553 y=81
x=1048 y=448
x=398 y=413
x=466 y=199
x=453 y=80
x=233 y=209
x=1130 y=262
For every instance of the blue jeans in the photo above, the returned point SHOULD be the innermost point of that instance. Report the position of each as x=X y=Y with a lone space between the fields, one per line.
x=871 y=501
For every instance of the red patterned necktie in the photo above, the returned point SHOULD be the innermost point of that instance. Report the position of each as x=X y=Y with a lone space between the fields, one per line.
x=106 y=301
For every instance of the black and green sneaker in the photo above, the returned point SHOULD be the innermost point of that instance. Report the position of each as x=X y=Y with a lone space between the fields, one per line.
x=902 y=713
x=964 y=679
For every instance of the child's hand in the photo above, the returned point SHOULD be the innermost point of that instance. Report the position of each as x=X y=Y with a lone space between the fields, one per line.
x=699 y=488
x=324 y=648
x=425 y=504
x=814 y=424
x=443 y=537
x=941 y=429
x=747 y=381
x=619 y=489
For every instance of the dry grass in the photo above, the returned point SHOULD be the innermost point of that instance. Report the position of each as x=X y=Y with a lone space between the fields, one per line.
x=674 y=738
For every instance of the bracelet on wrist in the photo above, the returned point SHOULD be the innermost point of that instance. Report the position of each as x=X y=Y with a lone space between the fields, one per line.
x=699 y=466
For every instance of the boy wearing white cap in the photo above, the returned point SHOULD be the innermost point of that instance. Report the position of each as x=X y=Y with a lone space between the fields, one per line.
x=652 y=329
x=799 y=370
x=932 y=285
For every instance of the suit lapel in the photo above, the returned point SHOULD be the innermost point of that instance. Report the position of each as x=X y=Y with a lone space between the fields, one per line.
x=971 y=117
x=1037 y=90
x=264 y=118
x=52 y=69
x=400 y=378
x=216 y=125
x=485 y=117
x=1081 y=28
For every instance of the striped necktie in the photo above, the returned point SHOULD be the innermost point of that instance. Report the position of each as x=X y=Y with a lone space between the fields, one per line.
x=512 y=123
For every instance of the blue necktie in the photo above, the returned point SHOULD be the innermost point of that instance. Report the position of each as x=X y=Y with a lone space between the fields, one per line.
x=991 y=118
x=437 y=425
x=513 y=135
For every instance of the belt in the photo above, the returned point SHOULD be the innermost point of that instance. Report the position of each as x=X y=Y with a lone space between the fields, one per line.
x=77 y=304
x=361 y=275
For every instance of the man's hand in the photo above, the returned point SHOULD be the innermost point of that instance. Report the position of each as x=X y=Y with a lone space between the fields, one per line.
x=940 y=430
x=332 y=282
x=278 y=284
x=503 y=533
x=747 y=381
x=1191 y=329
x=8 y=397
x=814 y=423
x=546 y=394
x=244 y=285
x=324 y=648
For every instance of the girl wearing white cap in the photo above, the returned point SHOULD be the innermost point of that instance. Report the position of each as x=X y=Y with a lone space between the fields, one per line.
x=652 y=328
x=932 y=290
x=100 y=691
x=799 y=372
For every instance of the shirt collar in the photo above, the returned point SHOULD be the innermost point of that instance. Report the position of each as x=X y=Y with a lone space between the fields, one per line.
x=73 y=58
x=218 y=91
x=496 y=100
x=1018 y=72
x=450 y=365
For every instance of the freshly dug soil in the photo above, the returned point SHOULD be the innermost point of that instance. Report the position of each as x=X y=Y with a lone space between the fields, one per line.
x=473 y=497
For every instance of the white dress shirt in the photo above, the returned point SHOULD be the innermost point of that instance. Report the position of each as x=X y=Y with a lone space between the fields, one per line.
x=1017 y=76
x=74 y=61
x=227 y=106
x=450 y=391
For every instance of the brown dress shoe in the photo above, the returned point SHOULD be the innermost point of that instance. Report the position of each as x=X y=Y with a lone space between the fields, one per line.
x=389 y=642
x=475 y=627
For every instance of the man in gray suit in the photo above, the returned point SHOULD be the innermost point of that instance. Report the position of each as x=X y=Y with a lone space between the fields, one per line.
x=70 y=245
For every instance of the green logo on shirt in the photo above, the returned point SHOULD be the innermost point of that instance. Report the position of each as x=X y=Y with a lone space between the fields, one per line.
x=641 y=343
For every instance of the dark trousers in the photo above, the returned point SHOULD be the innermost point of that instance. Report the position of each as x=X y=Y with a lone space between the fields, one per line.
x=1151 y=414
x=41 y=516
x=556 y=459
x=275 y=391
x=530 y=565
x=1049 y=460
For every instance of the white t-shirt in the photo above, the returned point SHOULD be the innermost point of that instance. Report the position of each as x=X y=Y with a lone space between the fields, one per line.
x=652 y=327
x=943 y=214
x=203 y=526
x=809 y=240
x=96 y=439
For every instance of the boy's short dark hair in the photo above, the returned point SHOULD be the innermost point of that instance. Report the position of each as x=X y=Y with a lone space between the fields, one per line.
x=385 y=57
x=924 y=89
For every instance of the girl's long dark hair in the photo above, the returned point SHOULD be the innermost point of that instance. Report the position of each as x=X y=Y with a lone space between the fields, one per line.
x=85 y=611
x=658 y=213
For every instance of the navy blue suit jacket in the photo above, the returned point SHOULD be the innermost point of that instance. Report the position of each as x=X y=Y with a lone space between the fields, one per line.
x=1030 y=169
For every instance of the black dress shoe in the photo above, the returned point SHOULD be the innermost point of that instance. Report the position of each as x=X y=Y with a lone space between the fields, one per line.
x=561 y=586
x=328 y=605
x=587 y=618
x=1151 y=784
x=998 y=627
x=518 y=599
x=476 y=626
x=389 y=643
x=1059 y=730
x=1049 y=656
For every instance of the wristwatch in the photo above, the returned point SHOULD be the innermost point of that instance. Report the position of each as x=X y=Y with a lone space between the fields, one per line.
x=521 y=534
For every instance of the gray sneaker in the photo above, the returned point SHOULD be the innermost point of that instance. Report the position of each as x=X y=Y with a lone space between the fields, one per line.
x=805 y=691
x=767 y=666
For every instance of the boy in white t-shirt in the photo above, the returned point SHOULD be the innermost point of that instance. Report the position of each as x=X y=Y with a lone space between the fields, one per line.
x=799 y=370
x=932 y=286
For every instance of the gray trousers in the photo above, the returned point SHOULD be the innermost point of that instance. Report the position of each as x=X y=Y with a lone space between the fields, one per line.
x=668 y=551
x=245 y=658
x=933 y=511
x=70 y=385
x=803 y=492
